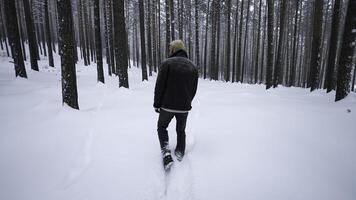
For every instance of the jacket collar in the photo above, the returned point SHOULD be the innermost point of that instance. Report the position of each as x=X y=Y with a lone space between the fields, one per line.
x=179 y=53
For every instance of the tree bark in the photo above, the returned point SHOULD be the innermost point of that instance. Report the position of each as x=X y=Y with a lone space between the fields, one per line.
x=347 y=52
x=120 y=42
x=31 y=35
x=98 y=46
x=66 y=51
x=143 y=42
x=270 y=46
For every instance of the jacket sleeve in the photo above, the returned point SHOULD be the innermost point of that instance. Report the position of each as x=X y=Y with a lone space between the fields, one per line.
x=160 y=85
x=195 y=82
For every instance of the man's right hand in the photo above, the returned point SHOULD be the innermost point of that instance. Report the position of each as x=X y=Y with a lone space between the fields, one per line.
x=157 y=110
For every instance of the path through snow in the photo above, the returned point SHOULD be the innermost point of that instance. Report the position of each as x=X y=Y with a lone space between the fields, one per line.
x=242 y=142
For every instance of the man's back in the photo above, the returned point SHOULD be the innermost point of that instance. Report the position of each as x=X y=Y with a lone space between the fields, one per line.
x=176 y=83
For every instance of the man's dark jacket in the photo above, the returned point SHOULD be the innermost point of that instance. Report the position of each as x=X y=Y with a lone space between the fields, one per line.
x=176 y=83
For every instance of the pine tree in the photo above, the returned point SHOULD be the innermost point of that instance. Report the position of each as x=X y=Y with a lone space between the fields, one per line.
x=228 y=41
x=120 y=42
x=316 y=46
x=270 y=46
x=149 y=42
x=197 y=46
x=98 y=47
x=31 y=35
x=168 y=26
x=14 y=38
x=329 y=83
x=48 y=35
x=66 y=51
x=278 y=66
x=347 y=52
x=143 y=42
x=206 y=40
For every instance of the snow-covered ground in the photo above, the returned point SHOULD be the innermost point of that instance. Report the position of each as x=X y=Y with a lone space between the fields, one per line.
x=243 y=142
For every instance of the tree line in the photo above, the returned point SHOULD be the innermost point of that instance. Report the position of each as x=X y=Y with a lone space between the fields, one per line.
x=300 y=43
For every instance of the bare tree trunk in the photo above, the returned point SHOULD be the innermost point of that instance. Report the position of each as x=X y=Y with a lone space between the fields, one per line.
x=14 y=38
x=66 y=49
x=48 y=35
x=142 y=35
x=98 y=46
x=347 y=53
x=269 y=78
x=31 y=35
x=316 y=46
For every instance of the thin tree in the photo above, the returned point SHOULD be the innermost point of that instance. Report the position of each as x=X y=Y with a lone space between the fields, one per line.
x=347 y=52
x=48 y=35
x=98 y=47
x=259 y=32
x=316 y=46
x=329 y=83
x=245 y=42
x=238 y=58
x=31 y=35
x=168 y=26
x=106 y=34
x=171 y=8
x=197 y=56
x=235 y=42
x=214 y=22
x=111 y=36
x=280 y=50
x=228 y=43
x=120 y=43
x=149 y=41
x=295 y=40
x=270 y=46
x=206 y=39
x=14 y=38
x=66 y=51
x=143 y=42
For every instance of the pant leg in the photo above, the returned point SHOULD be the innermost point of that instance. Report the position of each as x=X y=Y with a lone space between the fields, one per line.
x=180 y=128
x=163 y=122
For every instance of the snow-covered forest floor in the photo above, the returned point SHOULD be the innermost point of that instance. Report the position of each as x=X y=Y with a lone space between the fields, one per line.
x=243 y=142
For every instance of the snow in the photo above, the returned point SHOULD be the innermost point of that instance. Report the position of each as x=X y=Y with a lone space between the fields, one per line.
x=243 y=142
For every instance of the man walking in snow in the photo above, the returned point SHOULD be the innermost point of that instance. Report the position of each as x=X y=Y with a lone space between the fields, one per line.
x=175 y=89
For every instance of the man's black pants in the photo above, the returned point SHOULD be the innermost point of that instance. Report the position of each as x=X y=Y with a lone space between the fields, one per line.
x=164 y=119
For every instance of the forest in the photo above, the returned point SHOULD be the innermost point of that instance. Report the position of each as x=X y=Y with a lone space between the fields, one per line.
x=301 y=43
x=263 y=95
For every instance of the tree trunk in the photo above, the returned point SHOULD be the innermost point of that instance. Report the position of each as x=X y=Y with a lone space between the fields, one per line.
x=228 y=43
x=197 y=46
x=98 y=46
x=66 y=51
x=213 y=62
x=149 y=44
x=270 y=46
x=14 y=38
x=278 y=66
x=171 y=8
x=235 y=43
x=121 y=42
x=347 y=53
x=245 y=42
x=143 y=42
x=329 y=83
x=316 y=46
x=168 y=27
x=48 y=35
x=31 y=35
x=107 y=42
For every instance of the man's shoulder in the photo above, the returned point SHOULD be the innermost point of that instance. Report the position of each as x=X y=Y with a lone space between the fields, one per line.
x=175 y=60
